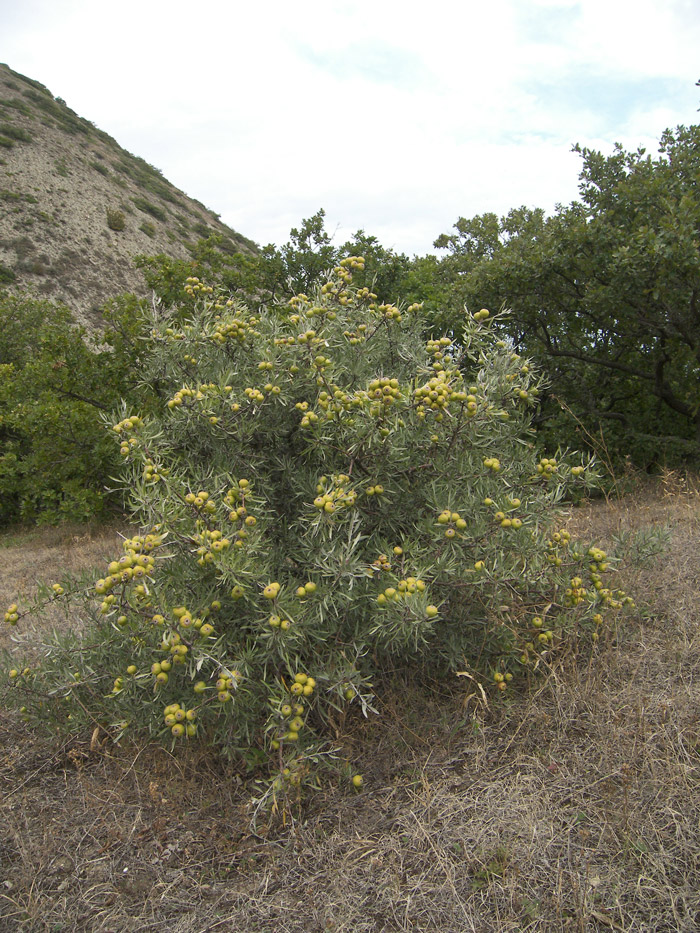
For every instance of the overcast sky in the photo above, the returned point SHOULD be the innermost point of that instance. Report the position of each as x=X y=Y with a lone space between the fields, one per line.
x=395 y=117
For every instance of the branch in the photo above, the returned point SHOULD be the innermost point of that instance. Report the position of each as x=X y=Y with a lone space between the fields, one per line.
x=81 y=398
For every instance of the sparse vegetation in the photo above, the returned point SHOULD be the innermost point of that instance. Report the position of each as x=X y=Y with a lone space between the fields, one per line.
x=15 y=133
x=100 y=167
x=148 y=208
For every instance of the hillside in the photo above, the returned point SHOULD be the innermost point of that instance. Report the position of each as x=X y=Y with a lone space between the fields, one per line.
x=75 y=207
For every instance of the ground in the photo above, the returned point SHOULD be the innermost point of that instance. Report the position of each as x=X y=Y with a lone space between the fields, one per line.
x=572 y=806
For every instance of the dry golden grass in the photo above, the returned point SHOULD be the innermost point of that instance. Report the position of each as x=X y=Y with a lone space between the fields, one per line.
x=573 y=808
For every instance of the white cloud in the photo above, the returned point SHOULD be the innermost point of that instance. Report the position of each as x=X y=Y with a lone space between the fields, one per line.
x=395 y=119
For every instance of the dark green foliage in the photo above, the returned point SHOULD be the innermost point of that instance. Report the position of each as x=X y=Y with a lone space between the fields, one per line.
x=148 y=208
x=67 y=119
x=202 y=229
x=237 y=273
x=18 y=105
x=6 y=274
x=15 y=132
x=6 y=195
x=99 y=167
x=604 y=295
x=55 y=460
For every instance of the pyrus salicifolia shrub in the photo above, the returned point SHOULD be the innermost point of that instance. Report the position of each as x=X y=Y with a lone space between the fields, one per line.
x=324 y=493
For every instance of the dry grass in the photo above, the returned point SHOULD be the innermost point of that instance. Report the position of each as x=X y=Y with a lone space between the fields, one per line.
x=576 y=808
x=46 y=555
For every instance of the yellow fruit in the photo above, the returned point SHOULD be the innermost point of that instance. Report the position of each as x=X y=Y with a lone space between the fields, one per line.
x=357 y=780
x=431 y=611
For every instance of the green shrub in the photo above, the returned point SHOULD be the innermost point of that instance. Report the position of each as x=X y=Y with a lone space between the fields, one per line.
x=6 y=274
x=148 y=229
x=324 y=497
x=115 y=219
x=15 y=132
x=17 y=104
x=6 y=142
x=143 y=205
x=54 y=457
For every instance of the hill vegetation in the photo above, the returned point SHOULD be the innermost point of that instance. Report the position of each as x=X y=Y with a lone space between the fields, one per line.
x=602 y=296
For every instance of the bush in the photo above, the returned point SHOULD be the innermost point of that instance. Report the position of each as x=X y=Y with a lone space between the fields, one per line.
x=54 y=389
x=147 y=208
x=115 y=219
x=6 y=274
x=99 y=167
x=325 y=496
x=15 y=132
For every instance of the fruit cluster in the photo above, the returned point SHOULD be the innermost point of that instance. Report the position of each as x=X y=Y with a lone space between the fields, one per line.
x=436 y=394
x=547 y=466
x=180 y=721
x=195 y=288
x=403 y=589
x=452 y=522
x=334 y=493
